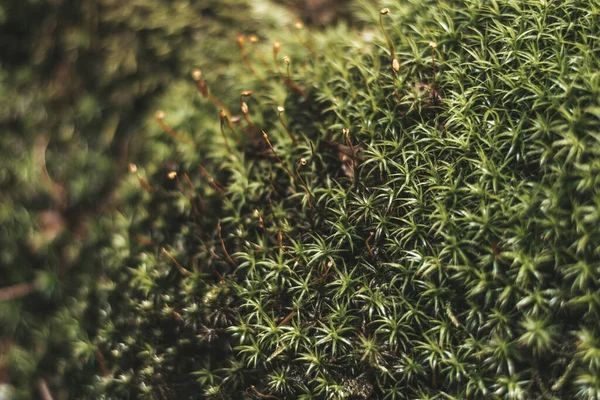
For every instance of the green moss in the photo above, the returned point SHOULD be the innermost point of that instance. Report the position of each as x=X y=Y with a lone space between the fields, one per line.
x=439 y=241
x=79 y=79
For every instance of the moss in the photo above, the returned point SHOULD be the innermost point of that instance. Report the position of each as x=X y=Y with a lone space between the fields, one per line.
x=79 y=80
x=433 y=233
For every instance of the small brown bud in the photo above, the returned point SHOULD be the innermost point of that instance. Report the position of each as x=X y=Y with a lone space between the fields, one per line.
x=160 y=114
x=253 y=38
x=241 y=39
x=299 y=25
x=287 y=60
x=196 y=74
x=222 y=114
x=276 y=46
x=303 y=161
x=172 y=175
x=384 y=11
x=395 y=65
x=247 y=93
x=132 y=168
x=433 y=44
x=280 y=109
x=244 y=107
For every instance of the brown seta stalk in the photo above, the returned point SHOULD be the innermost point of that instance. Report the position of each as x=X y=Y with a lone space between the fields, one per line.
x=160 y=118
x=266 y=137
x=280 y=111
x=203 y=89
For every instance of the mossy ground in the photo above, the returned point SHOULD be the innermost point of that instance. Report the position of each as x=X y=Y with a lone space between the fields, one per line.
x=432 y=234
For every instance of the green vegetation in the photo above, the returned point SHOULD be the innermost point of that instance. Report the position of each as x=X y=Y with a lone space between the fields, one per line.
x=406 y=209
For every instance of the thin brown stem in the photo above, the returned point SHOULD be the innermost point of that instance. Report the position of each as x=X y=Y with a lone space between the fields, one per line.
x=352 y=151
x=247 y=116
x=259 y=394
x=44 y=390
x=189 y=182
x=300 y=26
x=289 y=82
x=346 y=133
x=326 y=272
x=272 y=184
x=144 y=241
x=142 y=181
x=294 y=86
x=395 y=65
x=433 y=46
x=241 y=39
x=368 y=245
x=160 y=115
x=182 y=270
x=261 y=222
x=188 y=195
x=221 y=278
x=244 y=107
x=287 y=318
x=18 y=291
x=280 y=242
x=213 y=182
x=203 y=89
x=229 y=259
x=280 y=111
x=266 y=137
x=102 y=363
x=254 y=39
x=299 y=164
x=223 y=117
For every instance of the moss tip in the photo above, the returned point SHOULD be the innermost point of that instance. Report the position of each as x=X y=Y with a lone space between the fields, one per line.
x=384 y=11
x=196 y=74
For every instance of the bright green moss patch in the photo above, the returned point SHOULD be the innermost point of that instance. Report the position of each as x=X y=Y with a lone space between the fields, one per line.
x=445 y=246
